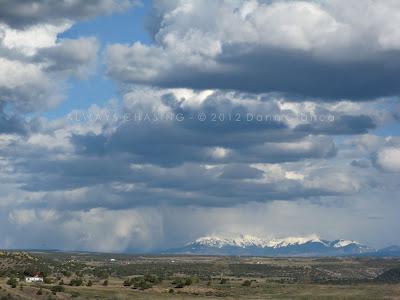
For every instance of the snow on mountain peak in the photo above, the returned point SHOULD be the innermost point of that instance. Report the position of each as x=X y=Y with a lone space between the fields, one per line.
x=241 y=241
x=212 y=241
x=343 y=243
x=277 y=243
x=244 y=241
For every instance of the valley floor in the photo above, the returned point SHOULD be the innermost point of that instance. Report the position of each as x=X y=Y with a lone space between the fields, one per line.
x=106 y=276
x=199 y=292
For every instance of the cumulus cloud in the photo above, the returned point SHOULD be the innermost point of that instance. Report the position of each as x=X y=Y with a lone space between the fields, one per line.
x=34 y=65
x=379 y=151
x=305 y=48
x=26 y=86
x=388 y=159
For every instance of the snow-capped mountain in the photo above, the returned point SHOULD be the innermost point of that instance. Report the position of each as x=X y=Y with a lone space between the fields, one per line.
x=244 y=241
x=291 y=246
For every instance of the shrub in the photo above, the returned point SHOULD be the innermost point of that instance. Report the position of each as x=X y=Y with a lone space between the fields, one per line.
x=12 y=282
x=179 y=285
x=66 y=273
x=223 y=281
x=76 y=282
x=182 y=282
x=39 y=292
x=246 y=283
x=57 y=289
x=127 y=282
x=140 y=283
x=144 y=285
x=47 y=280
x=152 y=278
x=89 y=283
x=105 y=282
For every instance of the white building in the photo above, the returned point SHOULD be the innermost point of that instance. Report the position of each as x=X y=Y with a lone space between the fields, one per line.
x=36 y=278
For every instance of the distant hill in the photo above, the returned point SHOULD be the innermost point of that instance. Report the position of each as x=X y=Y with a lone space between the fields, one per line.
x=389 y=251
x=291 y=246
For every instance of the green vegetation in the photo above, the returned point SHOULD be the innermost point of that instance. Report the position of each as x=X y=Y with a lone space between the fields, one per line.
x=57 y=289
x=246 y=283
x=76 y=282
x=389 y=276
x=93 y=276
x=12 y=282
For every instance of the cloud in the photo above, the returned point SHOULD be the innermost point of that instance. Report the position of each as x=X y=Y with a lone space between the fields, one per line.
x=231 y=132
x=308 y=49
x=25 y=85
x=342 y=124
x=82 y=176
x=138 y=230
x=235 y=171
x=105 y=162
x=21 y=13
x=34 y=65
x=76 y=57
x=388 y=159
x=22 y=216
x=360 y=163
x=11 y=124
x=248 y=114
x=95 y=229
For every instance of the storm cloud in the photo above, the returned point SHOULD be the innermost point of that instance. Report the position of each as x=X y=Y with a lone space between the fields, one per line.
x=271 y=118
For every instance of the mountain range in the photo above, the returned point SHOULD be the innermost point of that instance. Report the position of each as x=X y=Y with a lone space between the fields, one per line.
x=291 y=246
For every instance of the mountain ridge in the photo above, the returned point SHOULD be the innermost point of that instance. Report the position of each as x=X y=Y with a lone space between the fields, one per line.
x=310 y=245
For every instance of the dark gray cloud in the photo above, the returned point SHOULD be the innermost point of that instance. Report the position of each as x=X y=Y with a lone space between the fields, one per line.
x=110 y=187
x=76 y=57
x=361 y=163
x=341 y=124
x=22 y=13
x=230 y=133
x=11 y=124
x=292 y=72
x=235 y=171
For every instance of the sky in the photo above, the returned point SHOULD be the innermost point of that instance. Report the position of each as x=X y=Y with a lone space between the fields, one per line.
x=135 y=126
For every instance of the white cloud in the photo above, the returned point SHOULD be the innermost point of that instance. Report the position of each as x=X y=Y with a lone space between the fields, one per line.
x=389 y=159
x=29 y=40
x=296 y=47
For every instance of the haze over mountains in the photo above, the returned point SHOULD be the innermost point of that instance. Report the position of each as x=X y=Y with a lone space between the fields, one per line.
x=291 y=246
